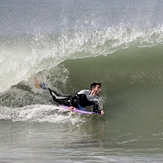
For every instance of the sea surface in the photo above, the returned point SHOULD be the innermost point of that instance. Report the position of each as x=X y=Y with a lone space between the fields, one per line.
x=69 y=44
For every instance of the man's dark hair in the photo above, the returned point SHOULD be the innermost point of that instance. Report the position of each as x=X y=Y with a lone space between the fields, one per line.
x=94 y=85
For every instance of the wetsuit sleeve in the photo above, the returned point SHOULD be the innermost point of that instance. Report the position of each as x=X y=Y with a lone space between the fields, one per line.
x=74 y=100
x=96 y=107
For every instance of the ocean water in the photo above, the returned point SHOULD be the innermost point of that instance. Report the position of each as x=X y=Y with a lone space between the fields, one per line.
x=70 y=44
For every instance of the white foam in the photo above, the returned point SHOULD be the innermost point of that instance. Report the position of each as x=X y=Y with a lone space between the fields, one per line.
x=40 y=113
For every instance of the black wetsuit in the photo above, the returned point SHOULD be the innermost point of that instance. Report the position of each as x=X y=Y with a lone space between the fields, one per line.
x=81 y=99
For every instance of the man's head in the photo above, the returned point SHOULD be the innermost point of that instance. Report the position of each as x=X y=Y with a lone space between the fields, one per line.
x=96 y=88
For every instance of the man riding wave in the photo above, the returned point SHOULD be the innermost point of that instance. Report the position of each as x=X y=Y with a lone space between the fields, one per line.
x=80 y=100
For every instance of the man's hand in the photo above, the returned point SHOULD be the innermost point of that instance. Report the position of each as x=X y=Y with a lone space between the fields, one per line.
x=102 y=112
x=71 y=108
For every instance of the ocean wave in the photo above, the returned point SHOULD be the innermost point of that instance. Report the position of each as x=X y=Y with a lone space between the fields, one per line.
x=131 y=84
x=25 y=55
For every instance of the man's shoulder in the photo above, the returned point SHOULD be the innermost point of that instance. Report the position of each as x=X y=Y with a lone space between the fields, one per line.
x=84 y=91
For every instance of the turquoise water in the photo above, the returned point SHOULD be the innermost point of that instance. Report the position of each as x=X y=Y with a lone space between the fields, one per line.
x=68 y=45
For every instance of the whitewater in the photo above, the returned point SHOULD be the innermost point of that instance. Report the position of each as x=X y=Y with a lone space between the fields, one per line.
x=68 y=45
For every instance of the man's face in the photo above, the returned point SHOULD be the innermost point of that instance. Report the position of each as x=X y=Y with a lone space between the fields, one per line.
x=97 y=90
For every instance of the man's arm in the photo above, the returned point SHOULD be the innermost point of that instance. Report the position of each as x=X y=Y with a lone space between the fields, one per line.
x=96 y=108
x=74 y=101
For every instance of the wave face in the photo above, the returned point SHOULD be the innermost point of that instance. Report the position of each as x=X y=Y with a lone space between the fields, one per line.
x=69 y=45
